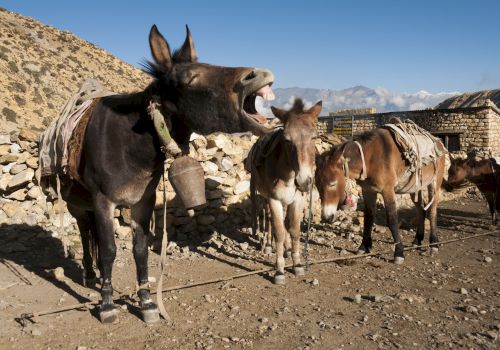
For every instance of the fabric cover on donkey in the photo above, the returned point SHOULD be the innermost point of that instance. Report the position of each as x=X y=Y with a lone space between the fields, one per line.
x=60 y=144
x=419 y=148
x=261 y=149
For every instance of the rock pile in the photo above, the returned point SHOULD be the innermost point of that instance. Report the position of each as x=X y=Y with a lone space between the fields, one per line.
x=227 y=185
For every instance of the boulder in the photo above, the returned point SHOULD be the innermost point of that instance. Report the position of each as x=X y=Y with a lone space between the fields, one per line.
x=4 y=139
x=4 y=149
x=19 y=195
x=10 y=208
x=241 y=187
x=32 y=162
x=21 y=179
x=27 y=135
x=16 y=169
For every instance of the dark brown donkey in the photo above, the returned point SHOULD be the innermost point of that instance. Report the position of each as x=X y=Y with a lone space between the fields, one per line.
x=484 y=174
x=384 y=169
x=122 y=161
x=281 y=173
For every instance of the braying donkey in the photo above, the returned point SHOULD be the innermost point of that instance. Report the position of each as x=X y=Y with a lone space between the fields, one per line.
x=122 y=162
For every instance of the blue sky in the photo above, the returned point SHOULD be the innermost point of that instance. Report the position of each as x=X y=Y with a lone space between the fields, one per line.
x=400 y=45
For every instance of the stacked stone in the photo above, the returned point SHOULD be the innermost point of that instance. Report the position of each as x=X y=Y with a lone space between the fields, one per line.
x=22 y=202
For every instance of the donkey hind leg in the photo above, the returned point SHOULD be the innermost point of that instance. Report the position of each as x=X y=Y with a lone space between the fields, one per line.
x=141 y=214
x=392 y=221
x=279 y=232
x=85 y=226
x=370 y=199
x=295 y=215
x=434 y=192
x=267 y=245
x=419 y=236
x=104 y=210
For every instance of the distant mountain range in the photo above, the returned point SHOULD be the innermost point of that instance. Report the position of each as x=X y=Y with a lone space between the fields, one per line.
x=356 y=97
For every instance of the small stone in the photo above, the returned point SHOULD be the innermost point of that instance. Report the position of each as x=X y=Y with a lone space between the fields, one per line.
x=488 y=259
x=15 y=148
x=36 y=332
x=243 y=246
x=16 y=169
x=315 y=282
x=19 y=195
x=123 y=231
x=210 y=168
x=84 y=347
x=263 y=320
x=241 y=187
x=4 y=139
x=35 y=192
x=357 y=298
x=58 y=273
x=32 y=162
x=21 y=179
x=27 y=135
x=463 y=291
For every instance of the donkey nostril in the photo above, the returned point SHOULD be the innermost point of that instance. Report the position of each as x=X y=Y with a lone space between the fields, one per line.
x=250 y=76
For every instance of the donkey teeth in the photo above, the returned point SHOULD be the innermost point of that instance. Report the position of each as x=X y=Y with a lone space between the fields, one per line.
x=269 y=96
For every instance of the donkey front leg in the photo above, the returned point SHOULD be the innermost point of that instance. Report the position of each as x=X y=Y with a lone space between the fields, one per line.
x=267 y=242
x=434 y=194
x=279 y=232
x=104 y=210
x=141 y=215
x=392 y=221
x=370 y=199
x=295 y=214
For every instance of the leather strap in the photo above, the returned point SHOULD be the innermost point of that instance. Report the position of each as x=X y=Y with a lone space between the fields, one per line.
x=363 y=170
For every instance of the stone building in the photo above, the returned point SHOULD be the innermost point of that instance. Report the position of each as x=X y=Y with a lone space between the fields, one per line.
x=471 y=124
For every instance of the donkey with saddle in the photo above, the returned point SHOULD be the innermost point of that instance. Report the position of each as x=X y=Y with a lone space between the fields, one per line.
x=396 y=158
x=282 y=168
x=121 y=158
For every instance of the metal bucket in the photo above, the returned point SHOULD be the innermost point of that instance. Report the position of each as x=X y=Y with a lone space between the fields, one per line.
x=187 y=178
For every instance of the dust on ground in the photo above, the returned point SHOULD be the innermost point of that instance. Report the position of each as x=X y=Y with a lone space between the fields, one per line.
x=445 y=301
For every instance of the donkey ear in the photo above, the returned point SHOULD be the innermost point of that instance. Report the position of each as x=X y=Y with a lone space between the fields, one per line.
x=187 y=53
x=159 y=48
x=279 y=113
x=316 y=109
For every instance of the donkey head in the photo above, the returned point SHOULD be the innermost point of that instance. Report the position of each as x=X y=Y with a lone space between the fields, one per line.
x=457 y=173
x=299 y=133
x=207 y=98
x=330 y=182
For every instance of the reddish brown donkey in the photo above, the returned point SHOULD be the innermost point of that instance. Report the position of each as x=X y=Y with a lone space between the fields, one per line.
x=282 y=167
x=483 y=174
x=383 y=172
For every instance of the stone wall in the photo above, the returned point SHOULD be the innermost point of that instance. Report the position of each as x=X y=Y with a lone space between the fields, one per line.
x=478 y=127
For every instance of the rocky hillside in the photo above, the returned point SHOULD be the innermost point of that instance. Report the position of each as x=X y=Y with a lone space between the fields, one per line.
x=473 y=99
x=41 y=67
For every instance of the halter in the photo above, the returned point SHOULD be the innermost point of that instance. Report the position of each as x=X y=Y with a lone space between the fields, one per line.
x=345 y=163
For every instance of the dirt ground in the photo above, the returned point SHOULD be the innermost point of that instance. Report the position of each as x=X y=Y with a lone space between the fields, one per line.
x=448 y=301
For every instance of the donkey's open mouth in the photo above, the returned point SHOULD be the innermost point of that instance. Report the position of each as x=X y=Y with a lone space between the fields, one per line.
x=249 y=103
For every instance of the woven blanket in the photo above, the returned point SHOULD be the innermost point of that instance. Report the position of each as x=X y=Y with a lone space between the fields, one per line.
x=261 y=149
x=418 y=148
x=54 y=142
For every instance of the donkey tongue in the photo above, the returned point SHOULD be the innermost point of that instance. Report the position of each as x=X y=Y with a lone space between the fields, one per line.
x=266 y=93
x=259 y=118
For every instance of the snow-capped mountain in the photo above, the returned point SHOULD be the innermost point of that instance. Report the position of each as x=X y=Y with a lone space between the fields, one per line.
x=356 y=97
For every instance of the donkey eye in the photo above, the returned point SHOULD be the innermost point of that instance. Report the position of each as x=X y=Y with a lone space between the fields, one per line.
x=332 y=184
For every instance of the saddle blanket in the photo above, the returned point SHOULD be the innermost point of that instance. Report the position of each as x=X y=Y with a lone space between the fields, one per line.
x=54 y=143
x=418 y=148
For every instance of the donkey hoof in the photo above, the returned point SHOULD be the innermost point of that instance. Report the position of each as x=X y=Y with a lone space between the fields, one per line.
x=398 y=260
x=434 y=251
x=298 y=271
x=150 y=313
x=89 y=282
x=279 y=279
x=288 y=254
x=108 y=314
x=268 y=250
